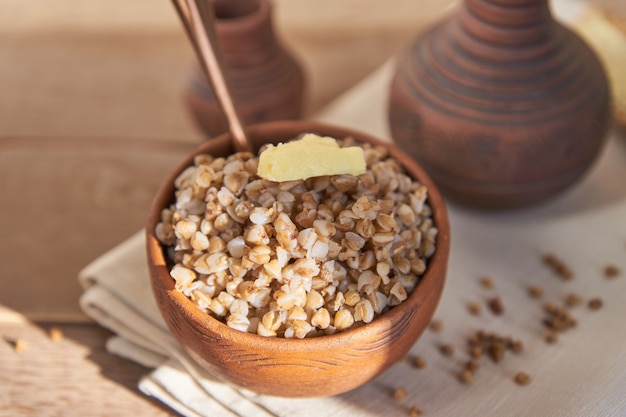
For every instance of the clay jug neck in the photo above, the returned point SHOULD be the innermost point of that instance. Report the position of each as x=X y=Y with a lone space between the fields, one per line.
x=244 y=25
x=506 y=22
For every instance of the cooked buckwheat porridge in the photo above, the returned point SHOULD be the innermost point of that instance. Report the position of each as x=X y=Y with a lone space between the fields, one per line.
x=298 y=258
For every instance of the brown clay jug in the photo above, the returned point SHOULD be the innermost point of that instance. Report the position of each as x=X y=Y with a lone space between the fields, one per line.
x=503 y=106
x=266 y=80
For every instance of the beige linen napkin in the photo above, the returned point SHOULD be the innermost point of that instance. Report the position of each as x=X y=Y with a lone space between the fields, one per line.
x=584 y=374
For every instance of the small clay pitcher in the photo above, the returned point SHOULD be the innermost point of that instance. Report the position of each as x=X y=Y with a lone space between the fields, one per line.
x=502 y=106
x=266 y=80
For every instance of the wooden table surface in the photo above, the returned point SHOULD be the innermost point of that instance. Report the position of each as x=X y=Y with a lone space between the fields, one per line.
x=90 y=122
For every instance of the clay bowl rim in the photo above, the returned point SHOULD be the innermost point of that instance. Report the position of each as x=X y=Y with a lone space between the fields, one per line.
x=285 y=130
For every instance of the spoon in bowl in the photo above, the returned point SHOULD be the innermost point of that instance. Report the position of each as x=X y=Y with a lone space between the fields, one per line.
x=198 y=19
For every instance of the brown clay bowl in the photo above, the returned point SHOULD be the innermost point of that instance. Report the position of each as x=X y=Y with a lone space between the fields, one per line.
x=319 y=366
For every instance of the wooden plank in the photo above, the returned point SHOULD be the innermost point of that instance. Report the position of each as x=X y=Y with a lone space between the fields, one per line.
x=65 y=202
x=94 y=85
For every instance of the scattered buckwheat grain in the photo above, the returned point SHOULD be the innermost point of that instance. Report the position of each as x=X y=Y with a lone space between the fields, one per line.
x=516 y=346
x=495 y=305
x=551 y=337
x=611 y=271
x=419 y=362
x=446 y=350
x=436 y=326
x=486 y=282
x=595 y=304
x=494 y=345
x=496 y=351
x=474 y=308
x=399 y=394
x=572 y=300
x=557 y=318
x=471 y=366
x=558 y=266
x=535 y=291
x=415 y=411
x=55 y=334
x=19 y=345
x=466 y=377
x=522 y=378
x=476 y=352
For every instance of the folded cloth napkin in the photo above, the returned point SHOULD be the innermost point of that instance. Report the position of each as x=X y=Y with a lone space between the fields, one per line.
x=583 y=374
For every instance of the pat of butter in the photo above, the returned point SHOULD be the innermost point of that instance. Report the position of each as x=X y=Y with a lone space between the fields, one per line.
x=310 y=156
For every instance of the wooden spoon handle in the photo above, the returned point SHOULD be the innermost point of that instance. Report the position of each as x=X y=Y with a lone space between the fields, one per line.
x=198 y=19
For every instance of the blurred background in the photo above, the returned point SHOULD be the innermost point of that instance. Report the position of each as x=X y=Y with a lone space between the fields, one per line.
x=91 y=118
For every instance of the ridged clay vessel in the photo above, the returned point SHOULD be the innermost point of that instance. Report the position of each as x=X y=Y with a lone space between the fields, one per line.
x=501 y=104
x=267 y=81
